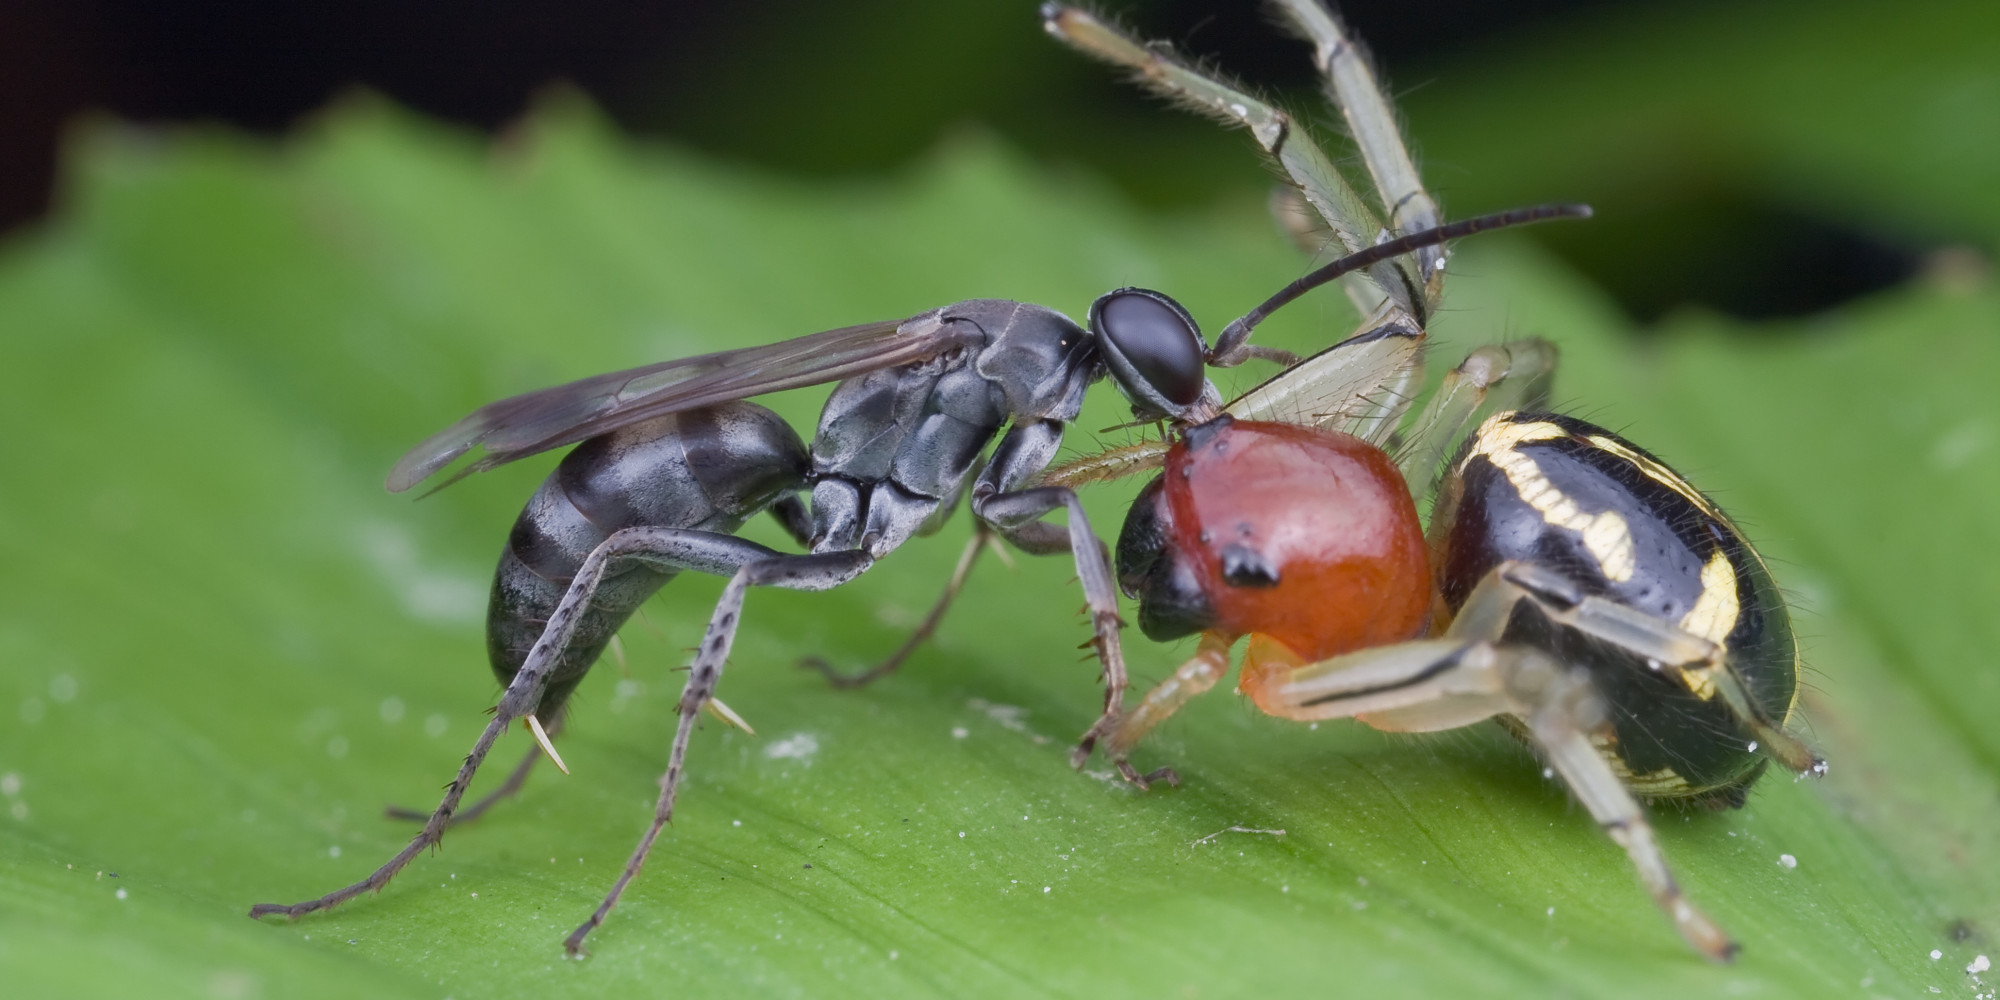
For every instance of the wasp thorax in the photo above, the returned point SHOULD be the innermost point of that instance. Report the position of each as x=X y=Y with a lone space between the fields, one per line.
x=1153 y=349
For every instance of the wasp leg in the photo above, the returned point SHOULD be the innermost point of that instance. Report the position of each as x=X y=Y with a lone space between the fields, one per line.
x=1016 y=515
x=791 y=514
x=1354 y=224
x=803 y=572
x=982 y=537
x=515 y=779
x=1209 y=663
x=1503 y=376
x=665 y=548
x=1437 y=684
x=1694 y=662
x=1373 y=125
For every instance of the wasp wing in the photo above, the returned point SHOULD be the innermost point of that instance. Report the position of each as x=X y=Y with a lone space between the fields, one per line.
x=538 y=421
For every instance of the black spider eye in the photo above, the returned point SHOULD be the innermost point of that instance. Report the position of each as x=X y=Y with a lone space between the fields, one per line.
x=1152 y=347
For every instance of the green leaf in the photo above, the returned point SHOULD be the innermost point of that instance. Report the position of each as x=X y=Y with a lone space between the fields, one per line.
x=227 y=648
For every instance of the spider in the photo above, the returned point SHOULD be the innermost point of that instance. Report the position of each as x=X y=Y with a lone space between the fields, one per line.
x=1568 y=583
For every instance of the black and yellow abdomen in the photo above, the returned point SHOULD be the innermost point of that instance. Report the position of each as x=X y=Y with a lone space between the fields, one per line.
x=1579 y=500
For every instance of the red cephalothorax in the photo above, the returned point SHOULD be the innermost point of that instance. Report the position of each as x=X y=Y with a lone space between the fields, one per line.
x=1307 y=536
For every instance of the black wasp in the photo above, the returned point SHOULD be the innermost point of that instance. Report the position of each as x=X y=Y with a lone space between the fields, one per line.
x=672 y=461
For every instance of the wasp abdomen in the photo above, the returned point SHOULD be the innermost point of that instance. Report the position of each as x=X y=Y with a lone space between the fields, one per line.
x=708 y=470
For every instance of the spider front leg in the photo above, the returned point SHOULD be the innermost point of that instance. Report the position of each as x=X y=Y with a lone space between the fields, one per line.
x=1354 y=224
x=1431 y=685
x=1354 y=89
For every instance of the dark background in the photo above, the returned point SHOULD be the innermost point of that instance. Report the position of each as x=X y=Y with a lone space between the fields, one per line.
x=841 y=89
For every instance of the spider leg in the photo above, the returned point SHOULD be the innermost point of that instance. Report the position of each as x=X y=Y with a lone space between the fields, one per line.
x=1695 y=663
x=1361 y=386
x=1500 y=376
x=1353 y=222
x=1436 y=684
x=1209 y=664
x=1352 y=85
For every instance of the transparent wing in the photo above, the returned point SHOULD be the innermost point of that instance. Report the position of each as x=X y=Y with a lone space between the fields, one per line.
x=535 y=422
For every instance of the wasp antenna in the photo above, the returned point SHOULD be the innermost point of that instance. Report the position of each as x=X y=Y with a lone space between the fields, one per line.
x=1234 y=335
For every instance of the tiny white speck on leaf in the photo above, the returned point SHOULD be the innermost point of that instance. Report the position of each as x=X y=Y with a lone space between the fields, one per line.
x=1786 y=861
x=961 y=834
x=960 y=732
x=1979 y=965
x=1936 y=954
x=1045 y=888
x=735 y=822
x=798 y=746
x=120 y=894
x=333 y=852
x=10 y=784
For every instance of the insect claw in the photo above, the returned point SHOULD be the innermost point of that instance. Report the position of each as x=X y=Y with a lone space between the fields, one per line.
x=542 y=737
x=715 y=707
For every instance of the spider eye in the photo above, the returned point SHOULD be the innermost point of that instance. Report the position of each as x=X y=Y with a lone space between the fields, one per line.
x=1152 y=347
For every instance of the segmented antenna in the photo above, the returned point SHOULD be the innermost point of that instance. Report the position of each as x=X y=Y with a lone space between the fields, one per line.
x=1234 y=335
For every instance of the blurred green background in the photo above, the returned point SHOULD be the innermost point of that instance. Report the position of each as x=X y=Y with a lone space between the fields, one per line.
x=223 y=648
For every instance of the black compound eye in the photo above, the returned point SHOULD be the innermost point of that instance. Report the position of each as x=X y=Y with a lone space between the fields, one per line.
x=1151 y=345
